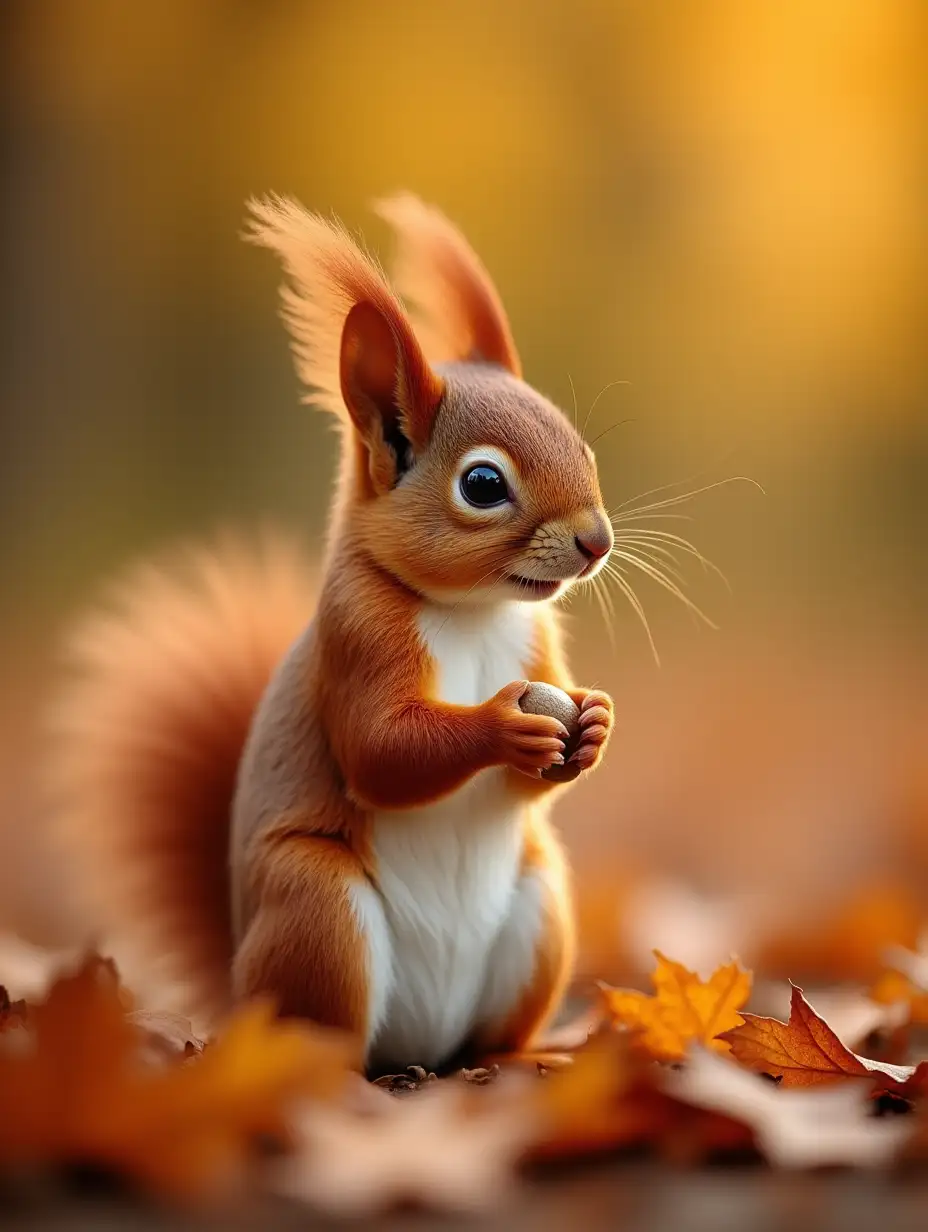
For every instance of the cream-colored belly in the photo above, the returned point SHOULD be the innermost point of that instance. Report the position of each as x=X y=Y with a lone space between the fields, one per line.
x=447 y=872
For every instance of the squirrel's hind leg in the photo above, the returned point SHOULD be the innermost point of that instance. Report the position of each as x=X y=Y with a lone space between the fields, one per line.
x=531 y=962
x=318 y=942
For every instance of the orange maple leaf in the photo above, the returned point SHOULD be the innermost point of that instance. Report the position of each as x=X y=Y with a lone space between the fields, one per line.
x=83 y=1092
x=805 y=1052
x=684 y=1009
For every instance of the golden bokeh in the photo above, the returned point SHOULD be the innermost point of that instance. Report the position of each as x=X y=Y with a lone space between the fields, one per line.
x=721 y=204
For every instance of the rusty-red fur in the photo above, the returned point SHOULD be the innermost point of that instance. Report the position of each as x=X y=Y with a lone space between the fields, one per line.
x=346 y=722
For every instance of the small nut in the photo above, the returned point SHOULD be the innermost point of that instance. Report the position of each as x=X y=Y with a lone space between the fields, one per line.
x=540 y=698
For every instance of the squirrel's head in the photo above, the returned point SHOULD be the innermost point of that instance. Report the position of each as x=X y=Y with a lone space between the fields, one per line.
x=462 y=480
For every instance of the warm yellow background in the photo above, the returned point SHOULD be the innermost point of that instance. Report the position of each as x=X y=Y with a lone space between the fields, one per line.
x=721 y=202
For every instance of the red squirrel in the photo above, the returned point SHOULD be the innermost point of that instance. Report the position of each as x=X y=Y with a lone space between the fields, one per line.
x=349 y=814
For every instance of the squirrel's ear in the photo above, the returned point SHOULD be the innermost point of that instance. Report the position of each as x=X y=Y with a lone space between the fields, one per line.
x=458 y=312
x=355 y=348
x=390 y=391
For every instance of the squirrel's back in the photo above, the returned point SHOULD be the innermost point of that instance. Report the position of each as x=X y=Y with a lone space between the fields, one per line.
x=149 y=731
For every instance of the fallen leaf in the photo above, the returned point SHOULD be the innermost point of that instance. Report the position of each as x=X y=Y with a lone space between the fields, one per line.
x=879 y=1030
x=793 y=1129
x=82 y=1093
x=449 y=1148
x=610 y=1100
x=684 y=1010
x=804 y=1052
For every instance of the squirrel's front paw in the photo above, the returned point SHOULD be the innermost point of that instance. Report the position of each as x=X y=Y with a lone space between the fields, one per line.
x=530 y=743
x=596 y=722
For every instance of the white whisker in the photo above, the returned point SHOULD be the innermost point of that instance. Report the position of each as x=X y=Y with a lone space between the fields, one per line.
x=635 y=515
x=667 y=583
x=655 y=537
x=620 y=579
x=573 y=394
x=605 y=389
x=605 y=432
x=604 y=603
x=661 y=558
x=681 y=497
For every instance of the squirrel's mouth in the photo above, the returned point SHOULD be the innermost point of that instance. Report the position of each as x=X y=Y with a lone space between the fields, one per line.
x=531 y=588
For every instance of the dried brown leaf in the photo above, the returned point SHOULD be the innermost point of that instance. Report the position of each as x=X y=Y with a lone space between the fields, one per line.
x=805 y=1052
x=861 y=1023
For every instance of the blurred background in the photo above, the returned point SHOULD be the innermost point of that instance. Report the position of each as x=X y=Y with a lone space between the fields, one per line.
x=721 y=204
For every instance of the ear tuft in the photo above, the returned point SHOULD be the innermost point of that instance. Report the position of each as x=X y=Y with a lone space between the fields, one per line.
x=458 y=312
x=327 y=274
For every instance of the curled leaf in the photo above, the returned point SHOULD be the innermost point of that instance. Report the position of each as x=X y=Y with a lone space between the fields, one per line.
x=805 y=1052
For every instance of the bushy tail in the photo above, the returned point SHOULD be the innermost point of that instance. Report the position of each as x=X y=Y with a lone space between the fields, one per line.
x=148 y=733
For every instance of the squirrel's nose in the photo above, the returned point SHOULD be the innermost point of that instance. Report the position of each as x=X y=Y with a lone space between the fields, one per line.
x=596 y=543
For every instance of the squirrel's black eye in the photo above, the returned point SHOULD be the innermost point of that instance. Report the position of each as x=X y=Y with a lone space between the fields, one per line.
x=484 y=486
